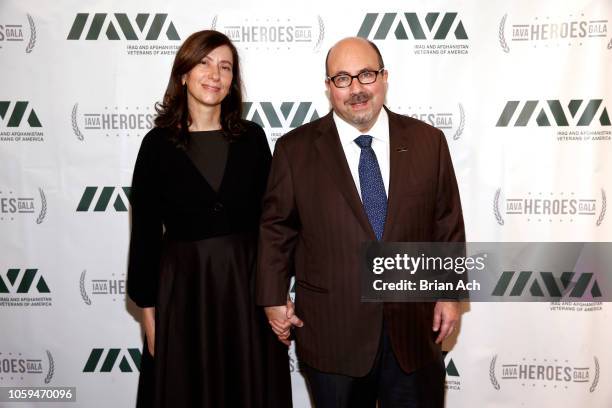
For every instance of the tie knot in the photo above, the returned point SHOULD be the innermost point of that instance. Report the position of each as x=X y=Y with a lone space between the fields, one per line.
x=364 y=141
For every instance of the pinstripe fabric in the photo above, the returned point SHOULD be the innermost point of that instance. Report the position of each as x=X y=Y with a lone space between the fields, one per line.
x=313 y=225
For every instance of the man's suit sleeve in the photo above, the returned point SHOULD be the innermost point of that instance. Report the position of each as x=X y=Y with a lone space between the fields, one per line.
x=448 y=222
x=277 y=233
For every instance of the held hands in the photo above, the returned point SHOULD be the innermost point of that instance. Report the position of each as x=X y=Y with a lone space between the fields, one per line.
x=446 y=316
x=281 y=319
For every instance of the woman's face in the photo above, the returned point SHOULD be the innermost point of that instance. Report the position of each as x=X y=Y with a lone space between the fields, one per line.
x=209 y=82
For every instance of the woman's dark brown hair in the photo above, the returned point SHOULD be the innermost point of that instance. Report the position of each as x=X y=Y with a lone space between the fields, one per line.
x=172 y=113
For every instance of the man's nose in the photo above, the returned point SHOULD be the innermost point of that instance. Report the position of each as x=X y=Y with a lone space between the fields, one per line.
x=355 y=86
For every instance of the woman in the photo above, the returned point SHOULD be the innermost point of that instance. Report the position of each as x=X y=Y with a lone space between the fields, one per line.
x=196 y=196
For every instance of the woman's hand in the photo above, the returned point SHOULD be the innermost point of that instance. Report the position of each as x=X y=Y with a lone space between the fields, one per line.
x=148 y=323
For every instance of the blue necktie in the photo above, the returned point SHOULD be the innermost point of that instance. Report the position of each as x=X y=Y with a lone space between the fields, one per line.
x=373 y=193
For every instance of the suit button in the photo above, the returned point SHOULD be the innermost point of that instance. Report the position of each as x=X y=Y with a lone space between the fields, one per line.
x=217 y=207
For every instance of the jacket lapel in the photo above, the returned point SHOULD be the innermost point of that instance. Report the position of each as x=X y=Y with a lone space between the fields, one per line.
x=400 y=151
x=332 y=155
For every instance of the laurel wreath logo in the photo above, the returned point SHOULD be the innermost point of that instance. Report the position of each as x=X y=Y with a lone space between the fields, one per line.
x=459 y=131
x=496 y=211
x=32 y=41
x=84 y=295
x=492 y=373
x=43 y=206
x=496 y=385
x=602 y=214
x=596 y=378
x=321 y=34
x=214 y=23
x=502 y=38
x=75 y=125
x=51 y=368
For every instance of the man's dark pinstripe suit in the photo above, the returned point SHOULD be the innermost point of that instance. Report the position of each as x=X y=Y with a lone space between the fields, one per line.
x=313 y=225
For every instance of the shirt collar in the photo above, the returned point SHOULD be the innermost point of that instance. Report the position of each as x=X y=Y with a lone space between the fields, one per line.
x=348 y=133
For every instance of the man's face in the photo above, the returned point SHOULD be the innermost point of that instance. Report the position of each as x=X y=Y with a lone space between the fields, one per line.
x=357 y=104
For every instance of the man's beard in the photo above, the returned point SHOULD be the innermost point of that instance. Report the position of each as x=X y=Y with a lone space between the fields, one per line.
x=359 y=118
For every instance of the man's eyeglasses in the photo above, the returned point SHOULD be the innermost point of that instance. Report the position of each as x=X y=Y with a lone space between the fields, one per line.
x=364 y=77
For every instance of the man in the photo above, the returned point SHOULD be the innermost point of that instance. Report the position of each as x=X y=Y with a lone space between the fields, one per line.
x=360 y=173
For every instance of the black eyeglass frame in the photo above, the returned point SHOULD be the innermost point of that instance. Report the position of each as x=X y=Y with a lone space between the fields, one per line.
x=333 y=79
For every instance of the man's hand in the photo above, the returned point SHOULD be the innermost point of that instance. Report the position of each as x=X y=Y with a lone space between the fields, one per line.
x=295 y=321
x=446 y=316
x=281 y=319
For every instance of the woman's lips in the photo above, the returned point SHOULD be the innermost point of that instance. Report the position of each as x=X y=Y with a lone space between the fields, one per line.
x=211 y=88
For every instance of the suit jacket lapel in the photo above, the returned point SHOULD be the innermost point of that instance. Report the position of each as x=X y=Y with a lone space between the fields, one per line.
x=332 y=156
x=400 y=151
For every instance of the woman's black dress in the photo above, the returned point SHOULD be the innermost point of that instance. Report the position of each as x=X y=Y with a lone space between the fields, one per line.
x=193 y=250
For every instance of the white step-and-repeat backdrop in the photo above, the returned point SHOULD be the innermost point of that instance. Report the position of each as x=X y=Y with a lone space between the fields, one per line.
x=521 y=89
